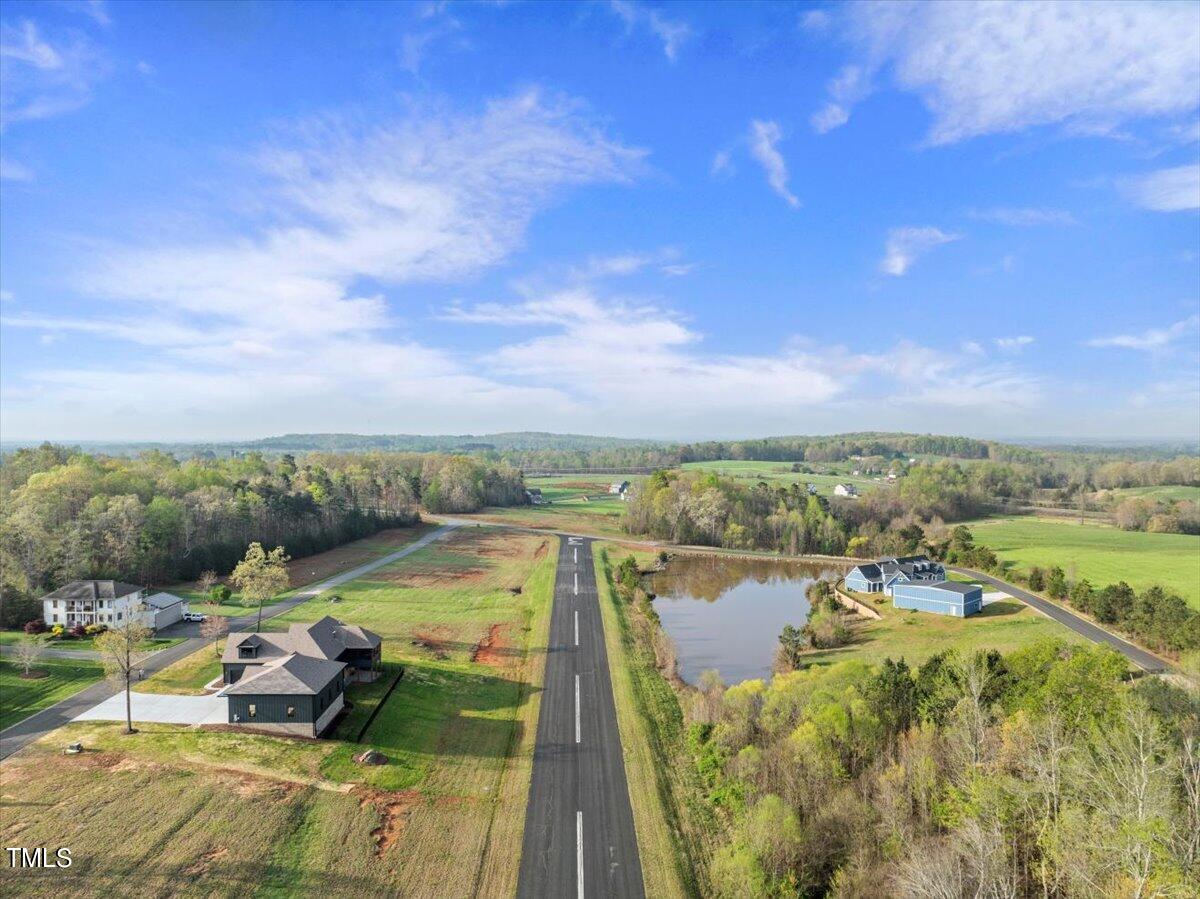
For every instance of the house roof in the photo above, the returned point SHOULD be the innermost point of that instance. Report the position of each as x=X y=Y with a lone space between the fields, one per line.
x=870 y=571
x=324 y=639
x=163 y=600
x=93 y=590
x=955 y=587
x=290 y=675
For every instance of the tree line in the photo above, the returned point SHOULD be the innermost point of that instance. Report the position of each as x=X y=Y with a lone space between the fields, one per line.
x=154 y=519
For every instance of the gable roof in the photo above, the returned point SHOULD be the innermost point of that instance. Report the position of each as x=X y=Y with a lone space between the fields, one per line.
x=163 y=600
x=93 y=590
x=955 y=587
x=869 y=570
x=324 y=639
x=290 y=675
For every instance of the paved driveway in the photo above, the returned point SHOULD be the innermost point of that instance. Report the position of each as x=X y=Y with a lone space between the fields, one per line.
x=162 y=709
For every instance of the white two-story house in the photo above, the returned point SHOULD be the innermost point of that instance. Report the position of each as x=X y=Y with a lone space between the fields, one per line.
x=110 y=602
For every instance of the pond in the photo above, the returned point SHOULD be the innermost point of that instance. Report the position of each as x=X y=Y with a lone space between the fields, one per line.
x=726 y=613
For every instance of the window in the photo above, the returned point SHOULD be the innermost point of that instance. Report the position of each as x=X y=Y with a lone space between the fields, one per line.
x=55 y=616
x=291 y=711
x=253 y=710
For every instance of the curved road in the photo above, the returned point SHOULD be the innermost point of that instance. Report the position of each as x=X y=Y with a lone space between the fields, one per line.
x=1145 y=660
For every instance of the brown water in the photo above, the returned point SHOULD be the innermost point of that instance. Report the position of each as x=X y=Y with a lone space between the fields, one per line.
x=727 y=613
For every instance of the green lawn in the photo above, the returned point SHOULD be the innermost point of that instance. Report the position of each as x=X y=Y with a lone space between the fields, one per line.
x=188 y=676
x=20 y=698
x=1103 y=555
x=87 y=644
x=780 y=473
x=273 y=816
x=575 y=504
x=1168 y=493
x=1005 y=625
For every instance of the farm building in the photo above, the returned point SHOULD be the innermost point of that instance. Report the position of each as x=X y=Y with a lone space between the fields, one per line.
x=845 y=490
x=619 y=488
x=290 y=694
x=942 y=598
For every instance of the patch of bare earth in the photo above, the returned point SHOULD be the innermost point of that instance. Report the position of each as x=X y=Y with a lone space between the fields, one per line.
x=394 y=809
x=200 y=867
x=435 y=640
x=493 y=649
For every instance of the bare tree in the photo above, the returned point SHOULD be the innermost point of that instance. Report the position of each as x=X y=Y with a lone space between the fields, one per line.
x=214 y=627
x=28 y=650
x=206 y=581
x=121 y=654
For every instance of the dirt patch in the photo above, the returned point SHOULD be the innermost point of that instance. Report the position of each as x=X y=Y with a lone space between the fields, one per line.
x=34 y=674
x=543 y=548
x=434 y=575
x=200 y=867
x=493 y=649
x=394 y=809
x=436 y=640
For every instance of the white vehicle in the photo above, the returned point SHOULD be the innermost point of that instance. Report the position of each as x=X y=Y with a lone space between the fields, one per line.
x=194 y=616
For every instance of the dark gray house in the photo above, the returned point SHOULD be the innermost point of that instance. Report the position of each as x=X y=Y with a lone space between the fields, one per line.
x=291 y=694
x=328 y=639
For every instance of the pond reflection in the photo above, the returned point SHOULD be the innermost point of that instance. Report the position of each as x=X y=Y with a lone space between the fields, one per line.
x=726 y=613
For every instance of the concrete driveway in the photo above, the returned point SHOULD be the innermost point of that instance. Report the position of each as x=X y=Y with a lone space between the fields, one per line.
x=162 y=709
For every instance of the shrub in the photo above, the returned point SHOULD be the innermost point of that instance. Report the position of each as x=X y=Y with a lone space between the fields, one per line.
x=35 y=626
x=93 y=629
x=219 y=594
x=77 y=632
x=57 y=631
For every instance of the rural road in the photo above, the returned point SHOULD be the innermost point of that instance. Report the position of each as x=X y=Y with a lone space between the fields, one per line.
x=579 y=834
x=1140 y=657
x=21 y=734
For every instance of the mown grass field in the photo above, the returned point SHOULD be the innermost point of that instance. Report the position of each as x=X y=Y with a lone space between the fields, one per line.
x=1103 y=555
x=576 y=504
x=87 y=644
x=1004 y=625
x=310 y=569
x=20 y=698
x=228 y=814
x=780 y=473
x=1172 y=494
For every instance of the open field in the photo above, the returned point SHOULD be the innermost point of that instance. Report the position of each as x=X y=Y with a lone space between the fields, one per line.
x=1004 y=626
x=1171 y=494
x=21 y=697
x=780 y=473
x=234 y=812
x=312 y=569
x=1103 y=555
x=577 y=504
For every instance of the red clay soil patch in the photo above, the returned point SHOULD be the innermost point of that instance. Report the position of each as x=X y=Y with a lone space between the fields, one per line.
x=436 y=640
x=394 y=809
x=429 y=575
x=34 y=674
x=543 y=548
x=492 y=649
x=200 y=867
x=489 y=544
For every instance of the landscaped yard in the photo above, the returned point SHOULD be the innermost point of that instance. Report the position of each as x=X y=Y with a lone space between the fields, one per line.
x=1103 y=555
x=1004 y=625
x=231 y=812
x=20 y=698
x=86 y=644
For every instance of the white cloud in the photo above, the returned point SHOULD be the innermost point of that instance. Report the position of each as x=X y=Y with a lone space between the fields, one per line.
x=851 y=85
x=764 y=147
x=1005 y=66
x=1167 y=190
x=1151 y=339
x=972 y=347
x=1014 y=344
x=722 y=164
x=672 y=34
x=41 y=78
x=905 y=245
x=145 y=68
x=11 y=170
x=816 y=21
x=1024 y=216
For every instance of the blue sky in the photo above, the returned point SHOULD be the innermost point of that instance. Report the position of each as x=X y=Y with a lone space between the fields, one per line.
x=666 y=220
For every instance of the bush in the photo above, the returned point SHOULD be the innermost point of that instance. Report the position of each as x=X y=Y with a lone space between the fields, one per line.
x=36 y=626
x=93 y=629
x=57 y=631
x=77 y=632
x=219 y=594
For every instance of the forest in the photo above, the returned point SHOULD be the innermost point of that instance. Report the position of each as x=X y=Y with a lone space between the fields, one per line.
x=1043 y=772
x=153 y=520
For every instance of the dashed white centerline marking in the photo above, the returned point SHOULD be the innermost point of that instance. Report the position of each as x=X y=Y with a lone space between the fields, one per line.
x=577 y=731
x=579 y=852
x=576 y=583
x=576 y=627
x=577 y=555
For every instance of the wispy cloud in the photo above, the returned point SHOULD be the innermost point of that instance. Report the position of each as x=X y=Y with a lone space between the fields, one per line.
x=1006 y=66
x=672 y=33
x=1014 y=344
x=764 y=147
x=905 y=245
x=1167 y=190
x=42 y=77
x=1023 y=216
x=11 y=170
x=851 y=85
x=1151 y=339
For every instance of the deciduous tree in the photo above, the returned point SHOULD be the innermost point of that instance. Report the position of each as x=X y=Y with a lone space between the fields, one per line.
x=121 y=655
x=261 y=575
